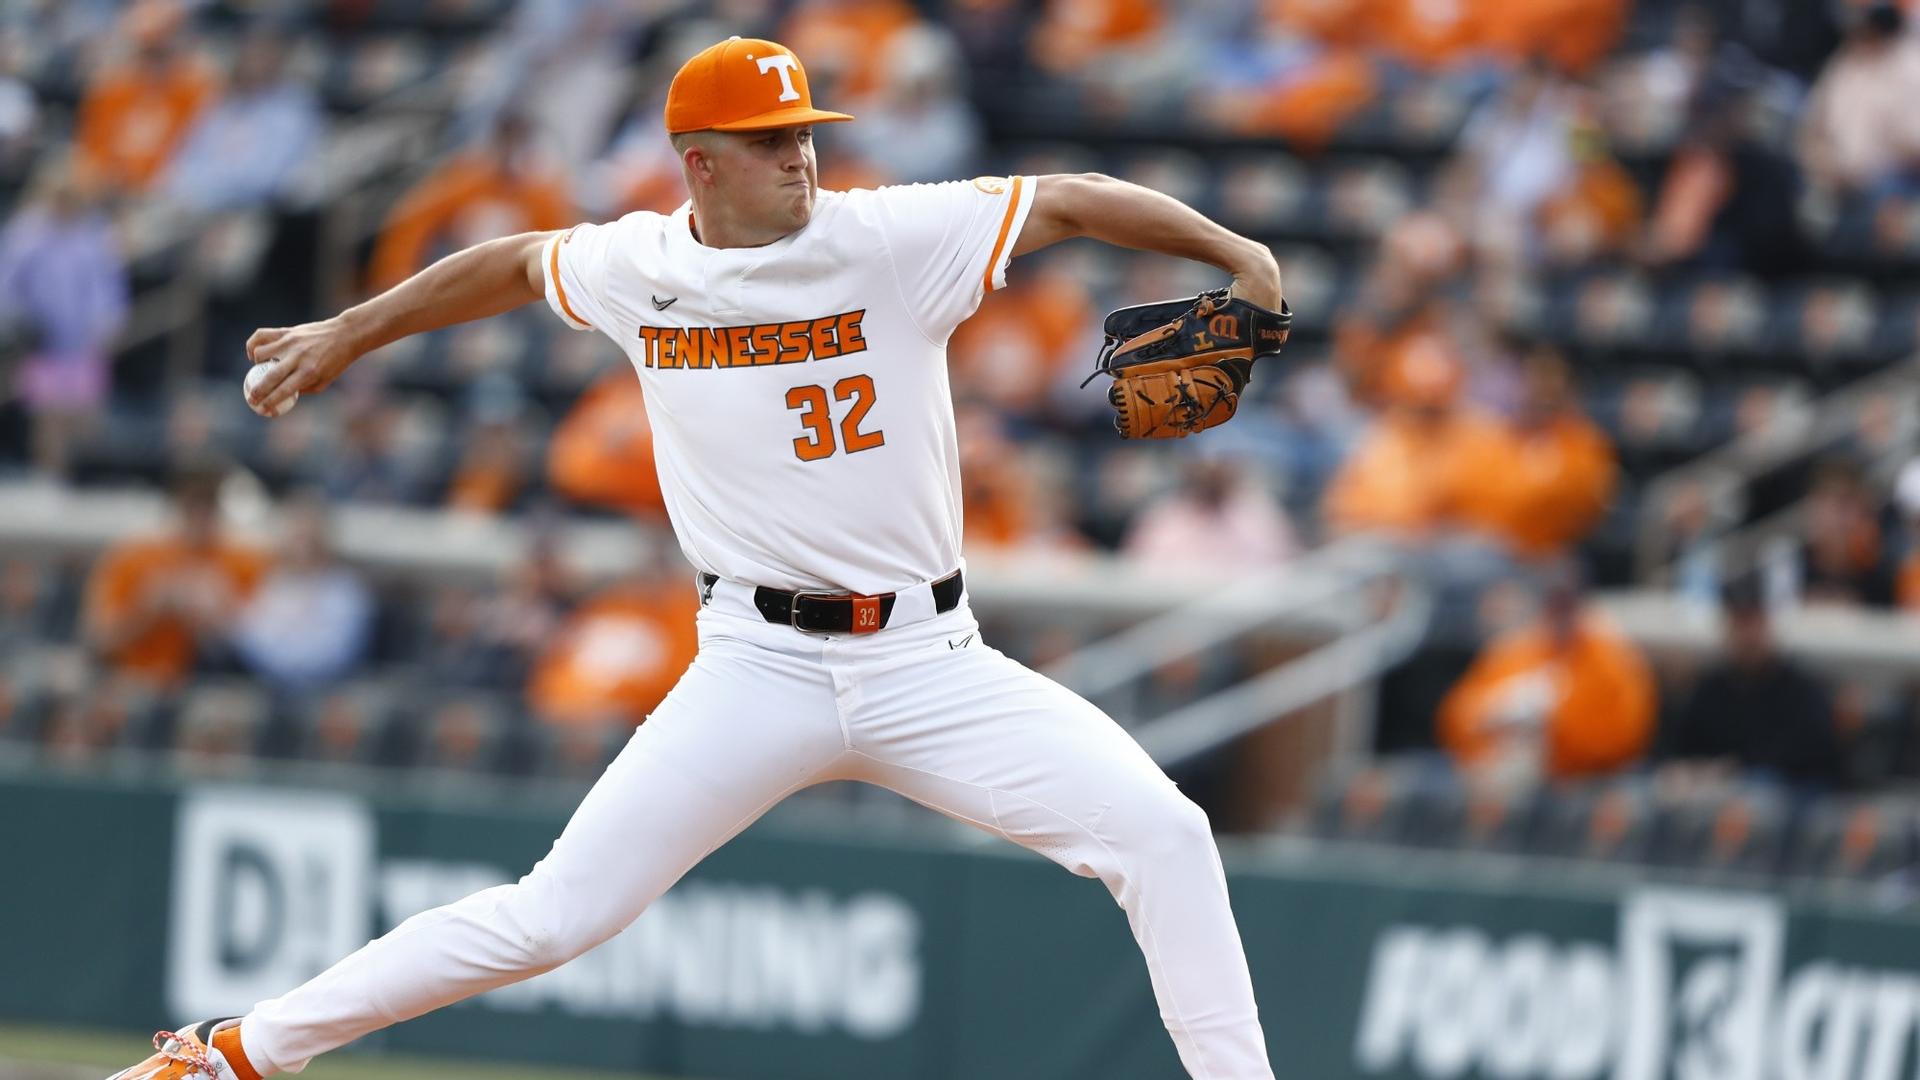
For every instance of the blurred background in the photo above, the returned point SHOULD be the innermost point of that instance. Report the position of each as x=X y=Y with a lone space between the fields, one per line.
x=1545 y=624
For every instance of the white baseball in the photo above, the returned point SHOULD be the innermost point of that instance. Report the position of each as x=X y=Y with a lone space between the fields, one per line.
x=254 y=375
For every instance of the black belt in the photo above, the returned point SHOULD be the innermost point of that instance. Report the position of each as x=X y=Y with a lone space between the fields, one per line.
x=835 y=612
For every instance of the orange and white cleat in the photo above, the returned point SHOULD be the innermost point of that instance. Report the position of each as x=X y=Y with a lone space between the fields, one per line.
x=187 y=1054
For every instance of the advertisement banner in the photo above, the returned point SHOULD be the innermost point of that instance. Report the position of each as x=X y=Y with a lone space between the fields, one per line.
x=798 y=952
x=1690 y=984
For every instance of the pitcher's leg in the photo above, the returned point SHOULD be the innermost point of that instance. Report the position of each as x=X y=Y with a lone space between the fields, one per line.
x=981 y=738
x=737 y=734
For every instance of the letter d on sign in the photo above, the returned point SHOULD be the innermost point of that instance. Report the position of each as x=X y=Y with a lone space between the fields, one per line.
x=269 y=888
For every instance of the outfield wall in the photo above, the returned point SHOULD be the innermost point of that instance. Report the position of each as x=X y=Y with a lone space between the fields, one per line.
x=801 y=952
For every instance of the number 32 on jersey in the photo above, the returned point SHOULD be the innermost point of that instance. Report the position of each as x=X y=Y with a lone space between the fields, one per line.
x=817 y=418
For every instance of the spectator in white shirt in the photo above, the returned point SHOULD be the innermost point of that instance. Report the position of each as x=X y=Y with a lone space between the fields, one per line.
x=247 y=150
x=1218 y=516
x=308 y=623
x=1860 y=131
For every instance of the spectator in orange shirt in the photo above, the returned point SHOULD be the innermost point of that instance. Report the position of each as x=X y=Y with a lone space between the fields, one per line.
x=1598 y=211
x=1573 y=35
x=1558 y=470
x=1300 y=92
x=1400 y=306
x=1010 y=499
x=601 y=454
x=500 y=187
x=135 y=113
x=1429 y=36
x=617 y=655
x=1074 y=33
x=1375 y=355
x=494 y=459
x=998 y=509
x=153 y=604
x=492 y=468
x=1328 y=22
x=1308 y=110
x=1566 y=697
x=847 y=42
x=1299 y=74
x=1413 y=471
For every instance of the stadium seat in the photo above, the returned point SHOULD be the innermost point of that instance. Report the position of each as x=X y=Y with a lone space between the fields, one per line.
x=1741 y=830
x=1859 y=840
x=1607 y=821
x=1363 y=805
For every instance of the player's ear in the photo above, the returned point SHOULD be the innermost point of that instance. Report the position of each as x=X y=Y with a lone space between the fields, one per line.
x=686 y=145
x=696 y=154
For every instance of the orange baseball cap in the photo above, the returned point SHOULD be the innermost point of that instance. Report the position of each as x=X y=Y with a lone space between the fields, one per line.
x=742 y=84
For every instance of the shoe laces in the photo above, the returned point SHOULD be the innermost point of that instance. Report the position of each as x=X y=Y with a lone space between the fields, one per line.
x=184 y=1050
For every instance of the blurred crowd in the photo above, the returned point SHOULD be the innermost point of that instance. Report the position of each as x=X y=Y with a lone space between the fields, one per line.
x=1541 y=253
x=199 y=639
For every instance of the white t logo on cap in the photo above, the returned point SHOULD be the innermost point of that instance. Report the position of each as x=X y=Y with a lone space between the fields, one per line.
x=782 y=63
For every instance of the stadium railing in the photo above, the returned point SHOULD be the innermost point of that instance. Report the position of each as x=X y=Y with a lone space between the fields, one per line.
x=1725 y=473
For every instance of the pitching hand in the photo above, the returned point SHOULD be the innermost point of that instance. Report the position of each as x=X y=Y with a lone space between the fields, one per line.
x=311 y=356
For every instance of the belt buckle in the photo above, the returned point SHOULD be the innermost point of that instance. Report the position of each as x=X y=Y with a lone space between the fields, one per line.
x=793 y=613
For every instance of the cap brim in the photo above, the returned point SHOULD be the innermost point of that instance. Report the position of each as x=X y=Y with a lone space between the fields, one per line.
x=780 y=118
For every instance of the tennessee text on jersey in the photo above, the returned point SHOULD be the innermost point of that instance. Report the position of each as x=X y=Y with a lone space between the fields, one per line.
x=753 y=345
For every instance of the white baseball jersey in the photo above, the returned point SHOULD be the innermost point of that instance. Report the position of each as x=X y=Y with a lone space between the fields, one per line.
x=802 y=419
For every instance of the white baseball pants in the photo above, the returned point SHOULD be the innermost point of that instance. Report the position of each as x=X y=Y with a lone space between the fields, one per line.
x=922 y=708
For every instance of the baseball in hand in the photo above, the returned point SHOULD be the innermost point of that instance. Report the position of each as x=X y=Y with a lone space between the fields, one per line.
x=257 y=373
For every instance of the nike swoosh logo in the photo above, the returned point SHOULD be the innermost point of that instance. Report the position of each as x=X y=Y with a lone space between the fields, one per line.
x=662 y=305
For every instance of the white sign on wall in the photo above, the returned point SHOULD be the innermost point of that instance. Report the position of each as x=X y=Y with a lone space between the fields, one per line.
x=1696 y=987
x=269 y=889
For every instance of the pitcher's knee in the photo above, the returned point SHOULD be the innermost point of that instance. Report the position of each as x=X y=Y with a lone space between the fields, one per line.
x=1171 y=827
x=540 y=929
x=543 y=949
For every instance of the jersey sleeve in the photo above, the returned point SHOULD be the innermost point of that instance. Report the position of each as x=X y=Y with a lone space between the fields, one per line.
x=577 y=263
x=951 y=243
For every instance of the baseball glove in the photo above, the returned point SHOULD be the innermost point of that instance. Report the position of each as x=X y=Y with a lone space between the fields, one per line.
x=1179 y=366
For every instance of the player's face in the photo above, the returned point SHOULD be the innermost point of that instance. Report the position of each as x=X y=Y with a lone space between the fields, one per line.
x=768 y=178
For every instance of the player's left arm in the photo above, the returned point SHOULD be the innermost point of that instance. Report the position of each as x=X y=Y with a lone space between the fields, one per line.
x=1068 y=205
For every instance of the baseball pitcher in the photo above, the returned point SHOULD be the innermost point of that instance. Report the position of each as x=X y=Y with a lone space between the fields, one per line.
x=791 y=342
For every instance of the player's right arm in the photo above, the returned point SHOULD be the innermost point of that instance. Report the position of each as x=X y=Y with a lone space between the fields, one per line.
x=482 y=280
x=1127 y=215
